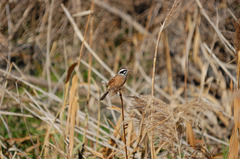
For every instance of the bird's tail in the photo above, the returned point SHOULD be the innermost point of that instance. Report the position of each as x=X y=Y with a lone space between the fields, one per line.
x=104 y=96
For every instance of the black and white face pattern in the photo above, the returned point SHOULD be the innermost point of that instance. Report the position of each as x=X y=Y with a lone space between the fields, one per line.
x=123 y=72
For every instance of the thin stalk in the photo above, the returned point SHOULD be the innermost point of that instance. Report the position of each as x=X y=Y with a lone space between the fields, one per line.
x=238 y=68
x=89 y=71
x=124 y=135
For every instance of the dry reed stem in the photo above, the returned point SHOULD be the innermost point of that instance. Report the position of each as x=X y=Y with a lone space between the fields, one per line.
x=123 y=125
x=234 y=142
x=171 y=13
x=15 y=114
x=237 y=111
x=48 y=59
x=190 y=27
x=89 y=77
x=90 y=55
x=68 y=98
x=73 y=104
x=196 y=46
x=238 y=68
x=90 y=18
x=233 y=146
x=169 y=64
x=237 y=48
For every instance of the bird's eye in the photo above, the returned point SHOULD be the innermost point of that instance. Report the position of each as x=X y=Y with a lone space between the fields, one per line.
x=123 y=72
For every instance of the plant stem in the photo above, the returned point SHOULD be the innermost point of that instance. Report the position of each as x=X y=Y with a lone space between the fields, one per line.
x=124 y=135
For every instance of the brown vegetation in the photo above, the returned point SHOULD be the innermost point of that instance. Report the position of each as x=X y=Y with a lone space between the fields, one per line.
x=181 y=99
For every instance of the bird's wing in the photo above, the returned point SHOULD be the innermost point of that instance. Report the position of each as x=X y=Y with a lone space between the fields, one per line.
x=111 y=81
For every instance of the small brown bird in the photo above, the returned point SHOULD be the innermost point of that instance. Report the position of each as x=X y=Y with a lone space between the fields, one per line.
x=115 y=84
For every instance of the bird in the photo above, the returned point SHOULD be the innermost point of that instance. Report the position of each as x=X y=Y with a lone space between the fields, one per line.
x=115 y=84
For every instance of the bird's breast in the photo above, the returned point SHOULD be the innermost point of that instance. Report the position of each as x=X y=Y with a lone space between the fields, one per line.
x=118 y=81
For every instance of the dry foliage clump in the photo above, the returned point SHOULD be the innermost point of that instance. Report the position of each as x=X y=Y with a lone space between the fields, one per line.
x=166 y=123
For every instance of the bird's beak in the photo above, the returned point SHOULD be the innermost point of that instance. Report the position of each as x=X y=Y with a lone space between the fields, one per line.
x=130 y=71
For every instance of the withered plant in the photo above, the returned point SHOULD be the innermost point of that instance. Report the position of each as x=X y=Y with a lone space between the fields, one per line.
x=166 y=123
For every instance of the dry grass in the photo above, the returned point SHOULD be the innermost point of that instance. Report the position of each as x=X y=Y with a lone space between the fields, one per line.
x=181 y=99
x=165 y=122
